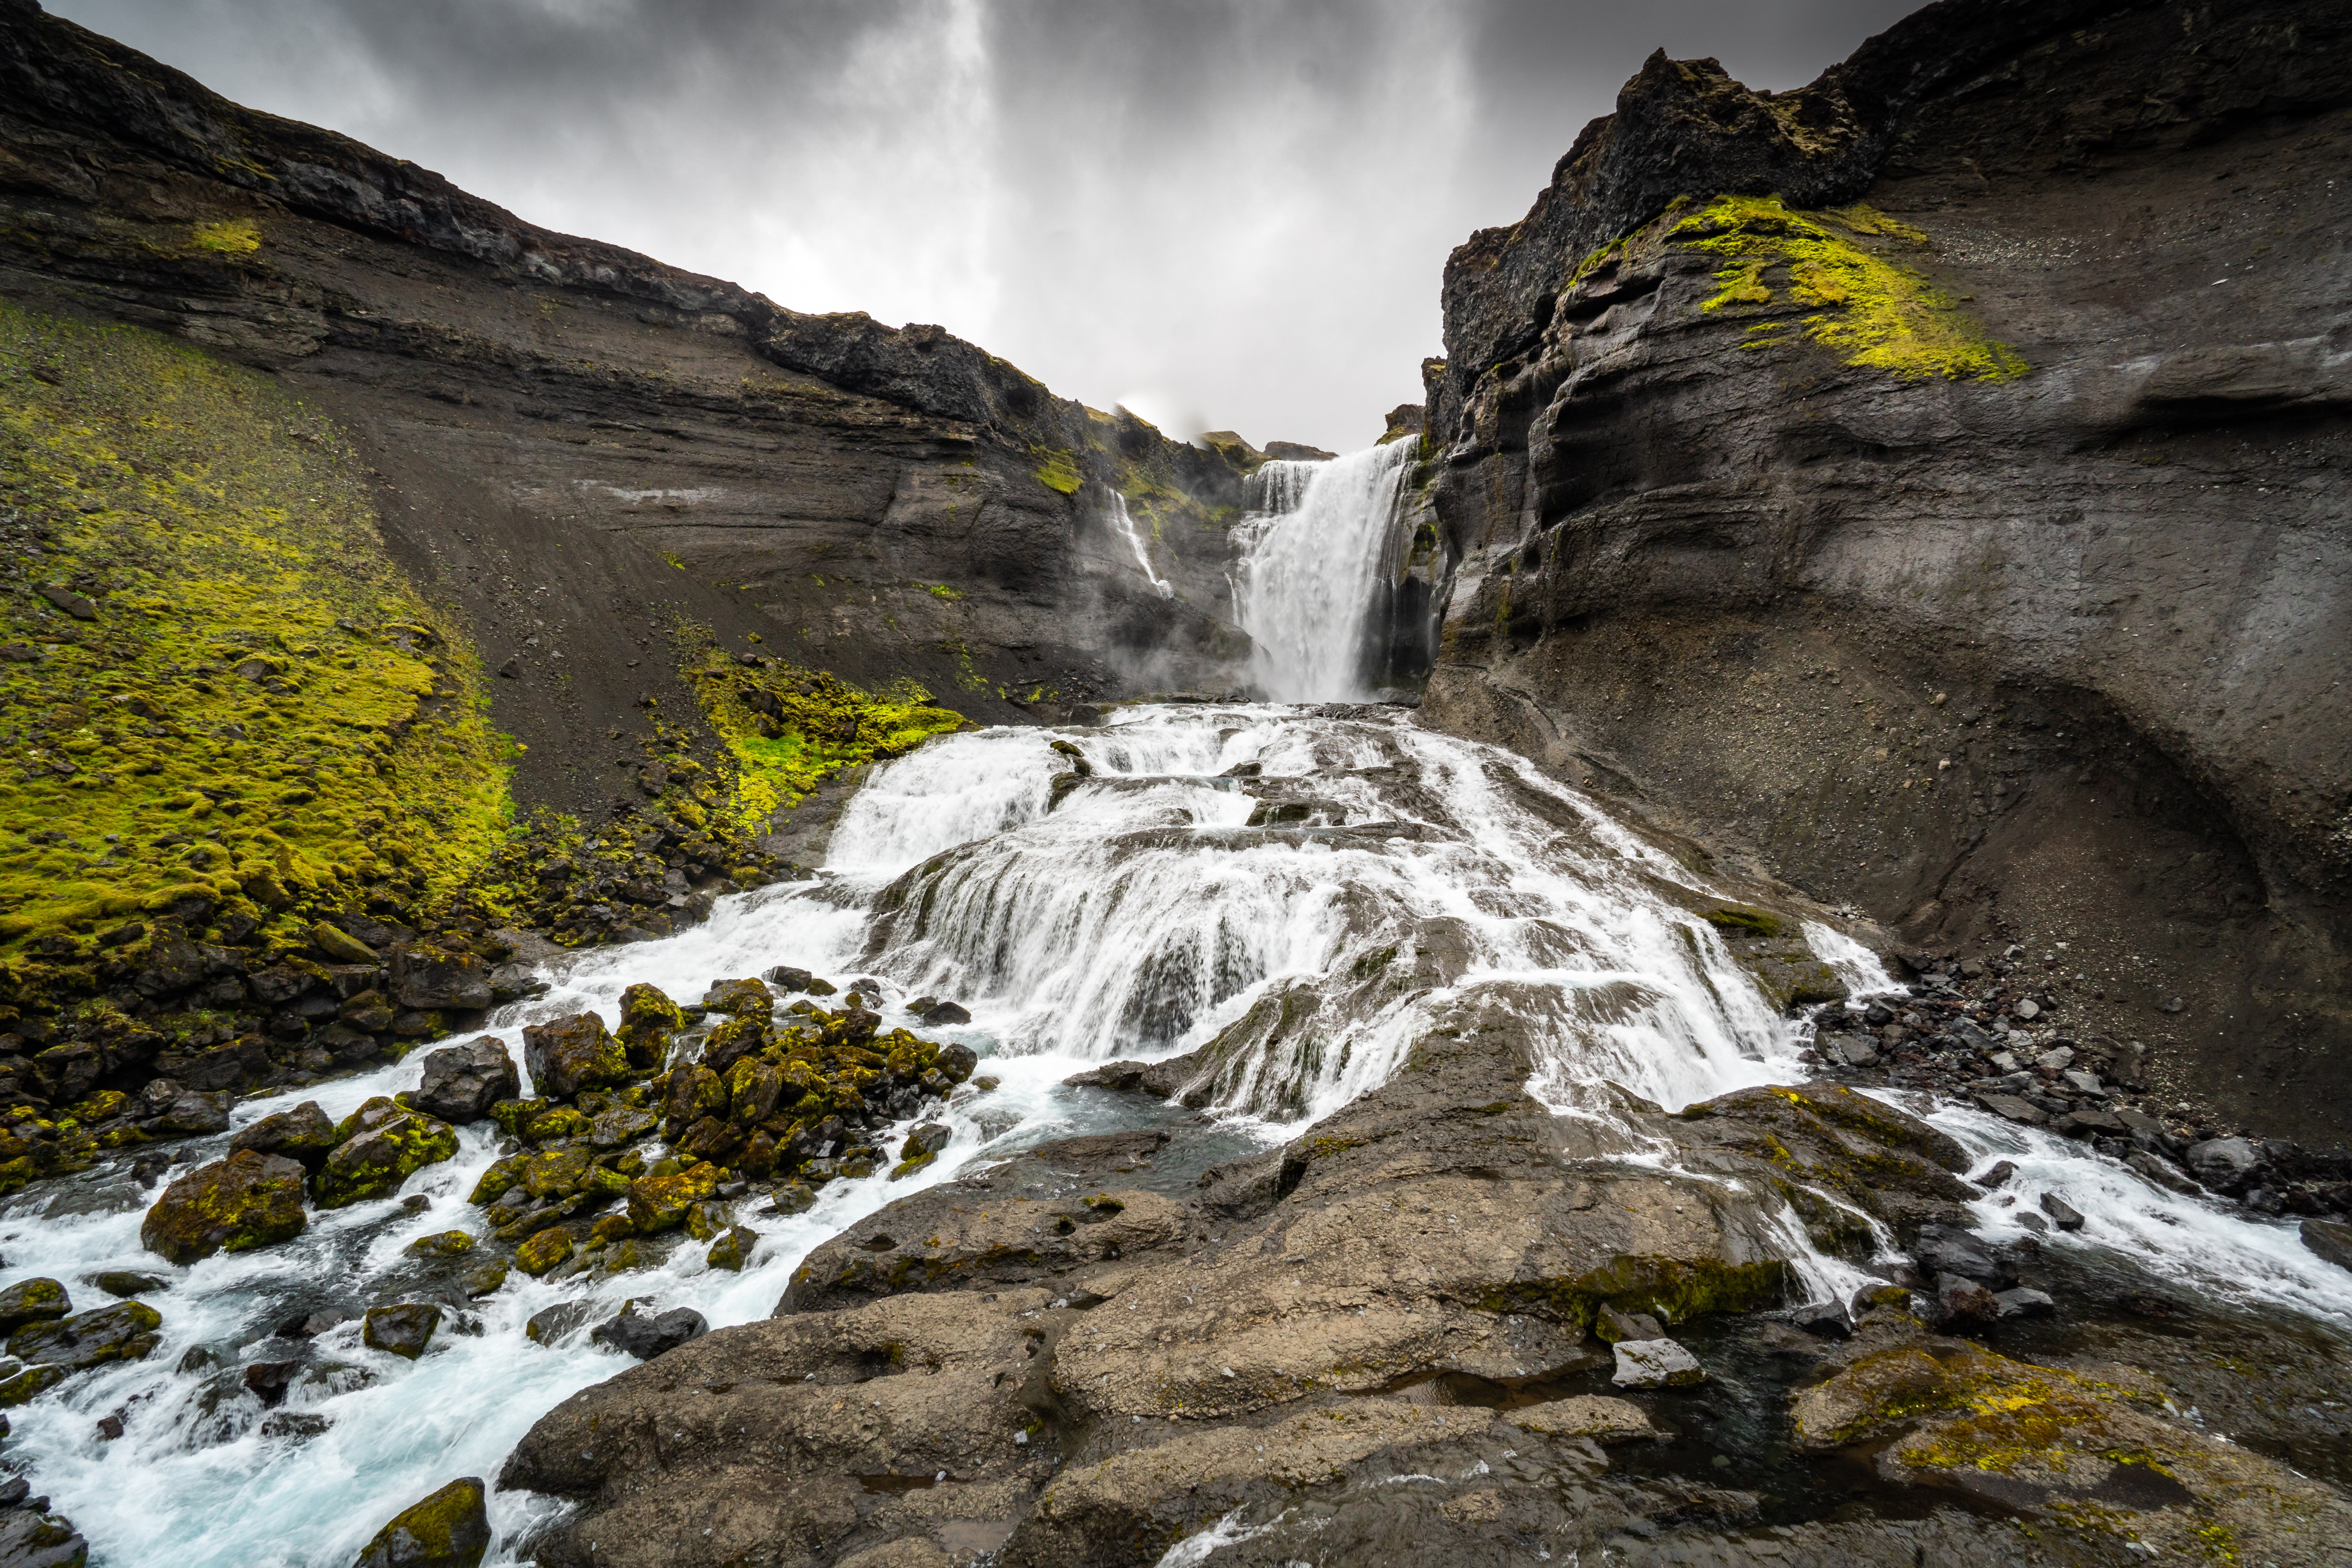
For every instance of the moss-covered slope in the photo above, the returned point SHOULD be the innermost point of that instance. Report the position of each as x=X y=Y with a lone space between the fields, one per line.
x=215 y=681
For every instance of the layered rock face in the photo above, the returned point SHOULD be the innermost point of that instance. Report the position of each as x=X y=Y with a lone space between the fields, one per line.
x=579 y=447
x=1977 y=553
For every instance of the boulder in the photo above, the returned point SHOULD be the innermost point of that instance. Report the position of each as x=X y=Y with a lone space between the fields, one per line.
x=431 y=978
x=646 y=1337
x=661 y=1203
x=543 y=1249
x=193 y=1114
x=1612 y=1325
x=462 y=1082
x=2022 y=1302
x=732 y=1248
x=946 y=1015
x=2226 y=1164
x=32 y=1537
x=927 y=1138
x=1825 y=1320
x=1655 y=1363
x=124 y=1283
x=32 y=1302
x=2063 y=1214
x=384 y=1143
x=340 y=947
x=1962 y=1300
x=1942 y=1250
x=957 y=1061
x=445 y=1244
x=649 y=1020
x=248 y=1200
x=302 y=1134
x=574 y=1053
x=2330 y=1239
x=450 y=1529
x=740 y=998
x=124 y=1331
x=403 y=1330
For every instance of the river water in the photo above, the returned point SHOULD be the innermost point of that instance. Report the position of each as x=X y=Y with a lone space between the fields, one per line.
x=1339 y=868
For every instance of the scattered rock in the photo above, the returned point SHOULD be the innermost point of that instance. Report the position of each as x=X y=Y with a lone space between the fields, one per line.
x=383 y=1144
x=2022 y=1302
x=636 y=1334
x=570 y=1054
x=343 y=949
x=1962 y=1300
x=303 y=1134
x=2162 y=1172
x=2011 y=1108
x=462 y=1082
x=2330 y=1239
x=1655 y=1363
x=2062 y=1214
x=484 y=1280
x=542 y=1251
x=792 y=1197
x=32 y=1302
x=2226 y=1165
x=445 y=1244
x=732 y=1248
x=1825 y=1320
x=1612 y=1325
x=124 y=1331
x=123 y=1283
x=248 y=1200
x=405 y=1330
x=1997 y=1177
x=450 y=1529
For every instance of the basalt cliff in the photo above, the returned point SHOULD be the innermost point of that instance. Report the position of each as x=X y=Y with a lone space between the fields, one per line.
x=1930 y=481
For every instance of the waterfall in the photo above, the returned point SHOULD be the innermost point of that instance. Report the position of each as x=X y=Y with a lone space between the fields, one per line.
x=1309 y=569
x=1124 y=522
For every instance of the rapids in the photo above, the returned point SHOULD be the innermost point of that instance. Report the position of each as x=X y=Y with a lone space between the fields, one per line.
x=1310 y=888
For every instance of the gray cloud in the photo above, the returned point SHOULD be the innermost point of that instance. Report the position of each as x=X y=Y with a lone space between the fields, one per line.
x=1224 y=213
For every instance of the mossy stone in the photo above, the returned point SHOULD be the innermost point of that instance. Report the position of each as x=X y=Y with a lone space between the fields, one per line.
x=446 y=1244
x=659 y=1202
x=248 y=1200
x=403 y=1330
x=374 y=1163
x=567 y=1054
x=450 y=1529
x=32 y=1302
x=543 y=1250
x=732 y=1248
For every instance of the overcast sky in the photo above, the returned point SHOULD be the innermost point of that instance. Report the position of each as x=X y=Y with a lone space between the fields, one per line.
x=1225 y=214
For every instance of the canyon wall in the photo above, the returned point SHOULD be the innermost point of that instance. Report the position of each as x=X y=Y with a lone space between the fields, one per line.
x=1977 y=553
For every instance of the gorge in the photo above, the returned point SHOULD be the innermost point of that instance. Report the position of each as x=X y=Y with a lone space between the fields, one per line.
x=644 y=929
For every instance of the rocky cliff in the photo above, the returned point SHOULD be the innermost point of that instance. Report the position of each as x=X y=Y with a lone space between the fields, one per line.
x=1927 y=482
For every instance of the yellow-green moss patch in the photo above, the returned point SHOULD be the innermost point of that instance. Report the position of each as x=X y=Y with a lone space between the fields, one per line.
x=1873 y=310
x=230 y=236
x=216 y=680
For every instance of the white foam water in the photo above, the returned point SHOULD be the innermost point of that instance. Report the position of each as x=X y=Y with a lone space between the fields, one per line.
x=1396 y=880
x=1310 y=556
x=1124 y=521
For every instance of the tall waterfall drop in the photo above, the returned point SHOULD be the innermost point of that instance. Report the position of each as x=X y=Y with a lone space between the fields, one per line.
x=1310 y=566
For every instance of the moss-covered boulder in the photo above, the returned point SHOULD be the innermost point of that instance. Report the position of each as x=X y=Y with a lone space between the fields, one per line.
x=574 y=1053
x=32 y=1302
x=445 y=1244
x=732 y=1248
x=124 y=1331
x=695 y=1092
x=303 y=1134
x=248 y=1200
x=739 y=999
x=661 y=1203
x=451 y=1528
x=387 y=1144
x=649 y=1020
x=403 y=1330
x=542 y=1251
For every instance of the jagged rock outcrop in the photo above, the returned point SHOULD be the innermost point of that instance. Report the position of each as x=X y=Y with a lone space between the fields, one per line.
x=1975 y=555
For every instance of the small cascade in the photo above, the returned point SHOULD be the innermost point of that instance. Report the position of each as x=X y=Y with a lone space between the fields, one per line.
x=1309 y=571
x=1124 y=522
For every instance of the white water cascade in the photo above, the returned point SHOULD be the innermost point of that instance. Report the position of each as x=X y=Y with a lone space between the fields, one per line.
x=1395 y=881
x=1310 y=559
x=1125 y=521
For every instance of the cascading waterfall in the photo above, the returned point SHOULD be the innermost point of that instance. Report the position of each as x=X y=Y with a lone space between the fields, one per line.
x=1310 y=559
x=1298 y=897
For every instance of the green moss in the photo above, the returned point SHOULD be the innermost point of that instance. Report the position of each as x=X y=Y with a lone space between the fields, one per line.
x=786 y=729
x=1058 y=470
x=1671 y=1289
x=940 y=591
x=1874 y=311
x=230 y=236
x=241 y=698
x=1742 y=919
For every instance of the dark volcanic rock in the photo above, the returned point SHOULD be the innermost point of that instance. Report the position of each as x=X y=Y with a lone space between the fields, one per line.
x=648 y=1335
x=302 y=1134
x=403 y=1330
x=249 y=1199
x=462 y=1082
